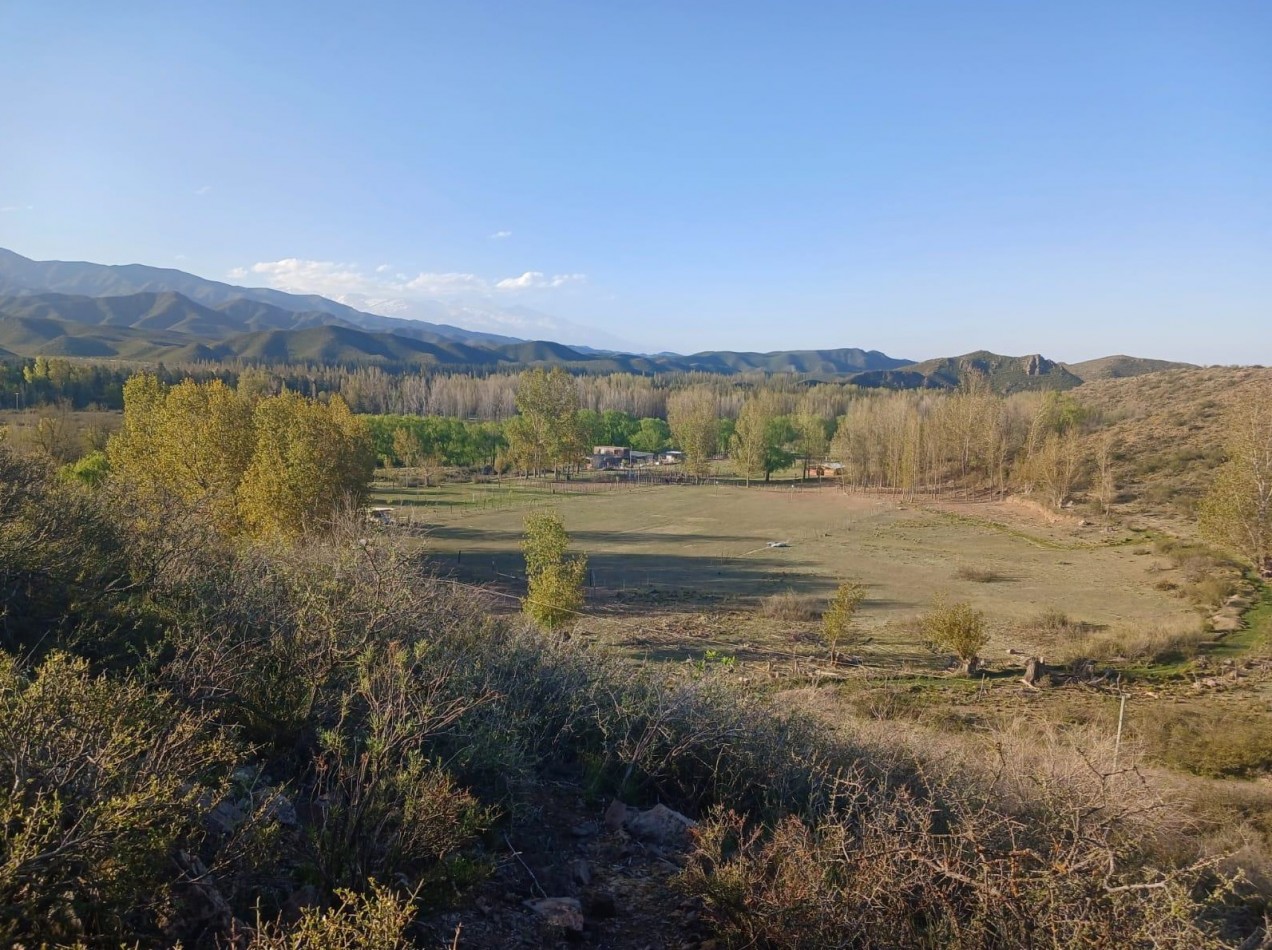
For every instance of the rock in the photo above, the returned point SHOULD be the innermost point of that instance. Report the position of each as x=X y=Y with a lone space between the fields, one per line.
x=615 y=815
x=204 y=908
x=585 y=830
x=225 y=817
x=1221 y=623
x=580 y=872
x=601 y=906
x=563 y=912
x=659 y=824
x=280 y=809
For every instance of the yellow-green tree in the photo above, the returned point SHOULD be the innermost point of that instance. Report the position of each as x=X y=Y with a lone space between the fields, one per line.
x=1237 y=510
x=546 y=432
x=312 y=460
x=554 y=579
x=837 y=621
x=695 y=426
x=271 y=466
x=192 y=442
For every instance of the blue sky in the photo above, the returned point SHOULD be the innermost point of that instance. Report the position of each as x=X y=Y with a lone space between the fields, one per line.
x=924 y=178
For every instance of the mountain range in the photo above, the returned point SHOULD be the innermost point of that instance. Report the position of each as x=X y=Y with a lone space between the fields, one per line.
x=138 y=313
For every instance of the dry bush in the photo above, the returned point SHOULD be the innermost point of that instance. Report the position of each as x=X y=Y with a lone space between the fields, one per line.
x=385 y=808
x=980 y=575
x=1043 y=844
x=1216 y=743
x=790 y=606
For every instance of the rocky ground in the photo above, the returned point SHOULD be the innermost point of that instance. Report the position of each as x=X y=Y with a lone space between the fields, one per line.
x=576 y=874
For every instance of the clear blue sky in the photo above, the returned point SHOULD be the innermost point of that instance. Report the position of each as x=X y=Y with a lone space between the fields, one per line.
x=924 y=178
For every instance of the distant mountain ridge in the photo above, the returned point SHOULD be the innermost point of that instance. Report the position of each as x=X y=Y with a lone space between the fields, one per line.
x=1006 y=374
x=138 y=313
x=1121 y=367
x=22 y=276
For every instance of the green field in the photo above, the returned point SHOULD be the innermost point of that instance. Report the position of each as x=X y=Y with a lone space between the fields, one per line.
x=680 y=569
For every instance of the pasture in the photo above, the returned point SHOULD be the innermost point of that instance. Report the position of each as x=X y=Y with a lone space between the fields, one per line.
x=676 y=571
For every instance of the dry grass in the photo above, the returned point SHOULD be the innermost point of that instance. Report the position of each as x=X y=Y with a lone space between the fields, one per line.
x=1156 y=644
x=1169 y=430
x=788 y=605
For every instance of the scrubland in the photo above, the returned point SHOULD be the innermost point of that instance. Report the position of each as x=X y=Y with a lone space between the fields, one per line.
x=355 y=737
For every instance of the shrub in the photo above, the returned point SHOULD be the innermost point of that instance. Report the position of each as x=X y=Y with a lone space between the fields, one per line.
x=956 y=628
x=554 y=581
x=386 y=809
x=98 y=784
x=377 y=919
x=64 y=565
x=1039 y=845
x=837 y=621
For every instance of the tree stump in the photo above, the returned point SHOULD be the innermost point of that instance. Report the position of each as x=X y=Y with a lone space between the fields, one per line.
x=1035 y=670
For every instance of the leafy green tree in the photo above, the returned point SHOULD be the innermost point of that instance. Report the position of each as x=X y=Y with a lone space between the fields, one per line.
x=554 y=592
x=408 y=448
x=956 y=628
x=837 y=622
x=1237 y=510
x=651 y=435
x=695 y=426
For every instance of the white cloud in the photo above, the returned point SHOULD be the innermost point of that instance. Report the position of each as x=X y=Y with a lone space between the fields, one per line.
x=10 y=209
x=443 y=285
x=307 y=277
x=203 y=190
x=333 y=279
x=536 y=280
x=500 y=235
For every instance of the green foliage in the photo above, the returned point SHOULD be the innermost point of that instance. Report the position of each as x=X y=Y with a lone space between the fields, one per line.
x=760 y=437
x=311 y=462
x=90 y=471
x=454 y=442
x=98 y=783
x=64 y=567
x=651 y=435
x=554 y=581
x=837 y=621
x=956 y=628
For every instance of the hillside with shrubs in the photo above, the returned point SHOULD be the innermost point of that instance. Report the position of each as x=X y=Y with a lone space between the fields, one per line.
x=231 y=716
